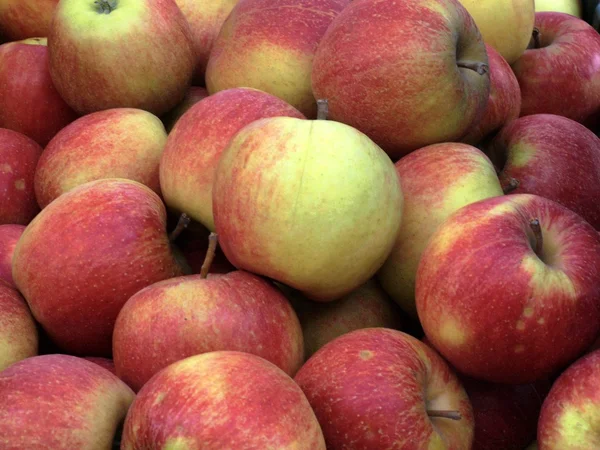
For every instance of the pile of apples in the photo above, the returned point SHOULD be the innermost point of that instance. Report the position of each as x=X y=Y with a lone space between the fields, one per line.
x=299 y=224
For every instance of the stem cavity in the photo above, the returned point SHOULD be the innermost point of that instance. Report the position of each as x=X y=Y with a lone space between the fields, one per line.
x=182 y=224
x=106 y=6
x=539 y=237
x=210 y=254
x=322 y=109
x=536 y=38
x=444 y=414
x=479 y=67
x=509 y=184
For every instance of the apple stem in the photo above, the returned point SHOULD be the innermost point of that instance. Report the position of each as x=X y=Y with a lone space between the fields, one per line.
x=539 y=237
x=182 y=224
x=536 y=37
x=479 y=67
x=509 y=184
x=210 y=254
x=106 y=6
x=444 y=414
x=322 y=109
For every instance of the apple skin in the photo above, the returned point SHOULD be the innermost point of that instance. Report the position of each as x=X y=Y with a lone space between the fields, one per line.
x=30 y=103
x=370 y=389
x=195 y=145
x=19 y=156
x=572 y=7
x=537 y=151
x=23 y=19
x=193 y=96
x=492 y=307
x=436 y=181
x=114 y=143
x=221 y=400
x=270 y=45
x=155 y=67
x=504 y=103
x=106 y=363
x=113 y=241
x=571 y=410
x=424 y=100
x=563 y=76
x=80 y=403
x=313 y=204
x=9 y=235
x=184 y=316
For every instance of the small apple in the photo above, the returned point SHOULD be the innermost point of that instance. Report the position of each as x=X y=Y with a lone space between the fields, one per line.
x=9 y=235
x=22 y=19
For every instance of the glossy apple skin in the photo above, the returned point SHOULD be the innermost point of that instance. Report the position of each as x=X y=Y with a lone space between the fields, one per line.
x=81 y=404
x=113 y=241
x=9 y=235
x=357 y=69
x=193 y=96
x=19 y=156
x=572 y=409
x=370 y=389
x=538 y=150
x=270 y=45
x=492 y=307
x=195 y=145
x=221 y=400
x=114 y=143
x=22 y=19
x=563 y=76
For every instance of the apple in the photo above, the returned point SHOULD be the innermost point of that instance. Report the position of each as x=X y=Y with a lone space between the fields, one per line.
x=18 y=158
x=507 y=289
x=436 y=181
x=30 y=103
x=506 y=25
x=569 y=416
x=406 y=74
x=149 y=42
x=60 y=402
x=504 y=103
x=195 y=145
x=193 y=96
x=560 y=74
x=9 y=235
x=114 y=143
x=378 y=388
x=85 y=254
x=221 y=400
x=535 y=155
x=270 y=45
x=313 y=204
x=22 y=19
x=572 y=7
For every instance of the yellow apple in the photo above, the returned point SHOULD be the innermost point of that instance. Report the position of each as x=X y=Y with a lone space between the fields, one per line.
x=572 y=7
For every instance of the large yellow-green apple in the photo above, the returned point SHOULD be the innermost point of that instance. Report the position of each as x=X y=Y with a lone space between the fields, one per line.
x=86 y=46
x=19 y=156
x=22 y=19
x=572 y=7
x=114 y=143
x=378 y=388
x=195 y=145
x=30 y=103
x=193 y=96
x=205 y=18
x=506 y=25
x=9 y=235
x=60 y=402
x=407 y=74
x=313 y=204
x=185 y=316
x=270 y=45
x=504 y=103
x=221 y=400
x=368 y=306
x=571 y=412
x=560 y=73
x=18 y=332
x=436 y=181
x=86 y=254
x=507 y=289
x=551 y=156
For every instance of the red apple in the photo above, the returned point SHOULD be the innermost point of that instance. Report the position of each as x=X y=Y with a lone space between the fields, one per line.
x=85 y=254
x=9 y=235
x=22 y=19
x=18 y=159
x=60 y=402
x=221 y=400
x=560 y=73
x=193 y=96
x=508 y=288
x=30 y=103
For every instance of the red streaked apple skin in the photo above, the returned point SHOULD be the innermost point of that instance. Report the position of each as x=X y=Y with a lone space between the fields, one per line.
x=496 y=311
x=562 y=77
x=221 y=400
x=22 y=19
x=554 y=157
x=571 y=411
x=9 y=235
x=370 y=389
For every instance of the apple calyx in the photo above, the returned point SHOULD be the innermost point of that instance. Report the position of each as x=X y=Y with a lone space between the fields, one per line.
x=535 y=35
x=509 y=184
x=444 y=414
x=322 y=109
x=182 y=224
x=106 y=6
x=210 y=254
x=479 y=67
x=539 y=237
